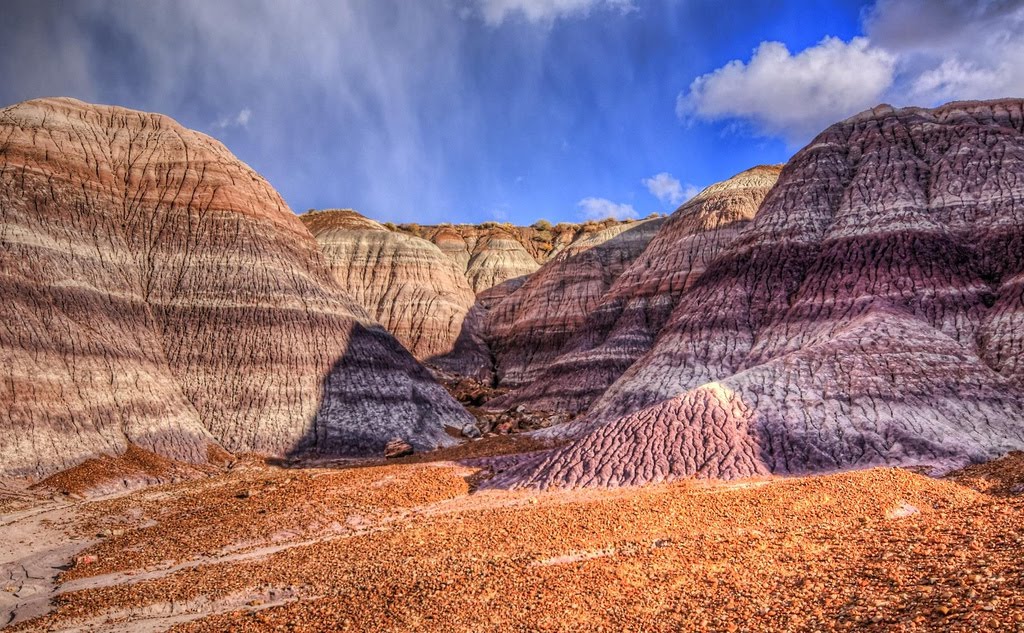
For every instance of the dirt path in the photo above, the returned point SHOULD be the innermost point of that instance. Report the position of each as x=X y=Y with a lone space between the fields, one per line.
x=35 y=547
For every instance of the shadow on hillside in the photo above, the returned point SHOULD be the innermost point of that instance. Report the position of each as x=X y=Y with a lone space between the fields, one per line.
x=373 y=392
x=472 y=356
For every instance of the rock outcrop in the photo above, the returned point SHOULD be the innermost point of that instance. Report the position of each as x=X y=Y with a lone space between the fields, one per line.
x=406 y=283
x=871 y=313
x=623 y=321
x=158 y=292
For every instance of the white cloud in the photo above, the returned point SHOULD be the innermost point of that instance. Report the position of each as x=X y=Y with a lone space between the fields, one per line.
x=668 y=189
x=950 y=49
x=239 y=120
x=601 y=208
x=913 y=52
x=793 y=95
x=545 y=11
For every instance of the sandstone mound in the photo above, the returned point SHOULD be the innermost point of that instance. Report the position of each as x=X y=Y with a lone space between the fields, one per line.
x=159 y=292
x=406 y=283
x=621 y=324
x=136 y=468
x=869 y=314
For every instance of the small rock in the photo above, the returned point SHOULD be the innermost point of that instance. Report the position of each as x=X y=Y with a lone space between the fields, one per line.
x=942 y=610
x=245 y=494
x=397 y=448
x=901 y=511
x=471 y=431
x=88 y=559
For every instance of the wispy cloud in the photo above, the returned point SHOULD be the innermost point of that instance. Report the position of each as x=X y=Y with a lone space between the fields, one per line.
x=668 y=189
x=239 y=120
x=325 y=80
x=546 y=11
x=602 y=208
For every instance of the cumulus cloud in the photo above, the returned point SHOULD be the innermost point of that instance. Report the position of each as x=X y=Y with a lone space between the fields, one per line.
x=793 y=95
x=913 y=52
x=601 y=208
x=668 y=189
x=545 y=11
x=952 y=49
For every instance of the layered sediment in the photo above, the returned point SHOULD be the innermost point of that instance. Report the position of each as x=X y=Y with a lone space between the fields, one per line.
x=406 y=283
x=869 y=314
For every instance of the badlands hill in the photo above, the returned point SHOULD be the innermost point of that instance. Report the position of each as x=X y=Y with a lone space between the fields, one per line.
x=493 y=253
x=159 y=293
x=872 y=312
x=433 y=286
x=860 y=306
x=617 y=307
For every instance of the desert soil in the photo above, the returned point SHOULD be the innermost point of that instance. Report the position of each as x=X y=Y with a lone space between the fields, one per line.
x=411 y=546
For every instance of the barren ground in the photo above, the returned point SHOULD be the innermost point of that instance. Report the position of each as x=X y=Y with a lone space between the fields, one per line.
x=408 y=546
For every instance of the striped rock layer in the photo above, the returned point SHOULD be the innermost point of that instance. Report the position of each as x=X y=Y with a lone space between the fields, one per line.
x=159 y=292
x=491 y=253
x=406 y=283
x=872 y=313
x=531 y=326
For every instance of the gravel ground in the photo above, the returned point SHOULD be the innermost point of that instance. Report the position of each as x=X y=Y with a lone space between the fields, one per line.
x=408 y=547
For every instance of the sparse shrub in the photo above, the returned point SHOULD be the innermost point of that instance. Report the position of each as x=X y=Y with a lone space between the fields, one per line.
x=542 y=225
x=390 y=226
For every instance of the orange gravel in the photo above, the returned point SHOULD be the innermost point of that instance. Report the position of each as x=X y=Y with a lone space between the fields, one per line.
x=881 y=549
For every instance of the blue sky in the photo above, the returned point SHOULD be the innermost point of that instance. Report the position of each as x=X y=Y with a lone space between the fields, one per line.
x=471 y=110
